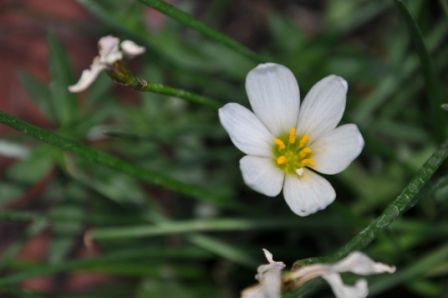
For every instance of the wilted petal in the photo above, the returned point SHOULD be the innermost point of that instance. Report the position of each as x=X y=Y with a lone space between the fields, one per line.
x=109 y=51
x=88 y=76
x=274 y=96
x=260 y=174
x=334 y=151
x=356 y=262
x=245 y=130
x=269 y=276
x=307 y=193
x=131 y=49
x=341 y=290
x=359 y=263
x=323 y=107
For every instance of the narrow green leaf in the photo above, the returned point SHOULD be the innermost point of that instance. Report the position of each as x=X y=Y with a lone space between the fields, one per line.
x=418 y=268
x=204 y=225
x=405 y=200
x=64 y=104
x=112 y=162
x=189 y=21
x=231 y=252
x=97 y=262
x=433 y=85
x=38 y=92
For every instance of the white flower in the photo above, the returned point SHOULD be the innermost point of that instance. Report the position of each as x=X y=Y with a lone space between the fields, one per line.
x=110 y=51
x=356 y=262
x=286 y=144
x=269 y=278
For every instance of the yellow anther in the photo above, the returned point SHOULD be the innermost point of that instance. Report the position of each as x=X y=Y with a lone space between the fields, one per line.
x=303 y=140
x=305 y=152
x=308 y=162
x=279 y=144
x=292 y=135
x=281 y=160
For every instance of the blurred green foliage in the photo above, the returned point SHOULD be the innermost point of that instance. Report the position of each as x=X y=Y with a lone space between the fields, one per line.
x=158 y=242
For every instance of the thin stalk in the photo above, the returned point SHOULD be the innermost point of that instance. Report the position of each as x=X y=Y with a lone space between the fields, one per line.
x=405 y=200
x=408 y=198
x=187 y=20
x=122 y=75
x=97 y=262
x=433 y=85
x=111 y=162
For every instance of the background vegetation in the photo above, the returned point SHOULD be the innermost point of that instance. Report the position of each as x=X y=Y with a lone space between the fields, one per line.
x=145 y=199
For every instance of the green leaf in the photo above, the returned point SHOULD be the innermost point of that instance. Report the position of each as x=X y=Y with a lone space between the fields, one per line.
x=433 y=85
x=97 y=262
x=38 y=92
x=64 y=104
x=113 y=162
x=408 y=197
x=187 y=20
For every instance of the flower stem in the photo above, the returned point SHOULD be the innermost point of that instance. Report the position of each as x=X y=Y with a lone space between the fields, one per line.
x=112 y=162
x=405 y=200
x=433 y=85
x=122 y=75
x=202 y=28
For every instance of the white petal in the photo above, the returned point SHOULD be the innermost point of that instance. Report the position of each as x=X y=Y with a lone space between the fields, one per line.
x=245 y=130
x=308 y=193
x=340 y=290
x=274 y=96
x=131 y=49
x=260 y=174
x=323 y=107
x=109 y=50
x=334 y=151
x=359 y=263
x=88 y=76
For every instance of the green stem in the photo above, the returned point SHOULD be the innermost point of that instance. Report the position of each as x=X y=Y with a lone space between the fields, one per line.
x=434 y=87
x=405 y=200
x=96 y=262
x=110 y=161
x=189 y=21
x=206 y=225
x=122 y=75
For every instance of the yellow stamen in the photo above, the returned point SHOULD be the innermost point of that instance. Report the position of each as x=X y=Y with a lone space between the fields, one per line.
x=279 y=144
x=292 y=135
x=305 y=152
x=281 y=160
x=308 y=162
x=303 y=140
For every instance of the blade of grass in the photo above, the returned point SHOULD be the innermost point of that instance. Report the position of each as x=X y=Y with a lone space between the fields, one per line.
x=228 y=251
x=405 y=200
x=433 y=85
x=189 y=21
x=64 y=105
x=204 y=225
x=419 y=268
x=386 y=88
x=112 y=162
x=38 y=91
x=91 y=263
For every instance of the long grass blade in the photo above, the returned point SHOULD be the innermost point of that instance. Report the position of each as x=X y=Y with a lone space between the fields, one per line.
x=112 y=162
x=189 y=21
x=433 y=85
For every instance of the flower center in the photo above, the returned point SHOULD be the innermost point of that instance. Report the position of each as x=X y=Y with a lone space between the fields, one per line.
x=291 y=153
